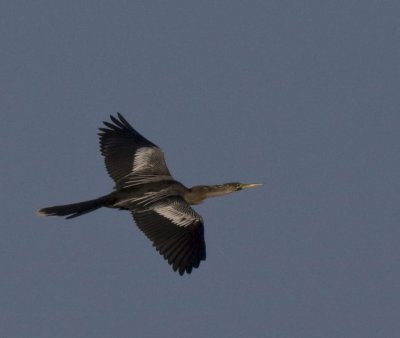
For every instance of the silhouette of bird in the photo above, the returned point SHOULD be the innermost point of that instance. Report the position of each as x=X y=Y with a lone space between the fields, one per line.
x=159 y=204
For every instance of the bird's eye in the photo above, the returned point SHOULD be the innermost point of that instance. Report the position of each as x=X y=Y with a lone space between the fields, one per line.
x=238 y=186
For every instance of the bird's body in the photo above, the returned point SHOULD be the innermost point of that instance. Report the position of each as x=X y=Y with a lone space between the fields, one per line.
x=160 y=205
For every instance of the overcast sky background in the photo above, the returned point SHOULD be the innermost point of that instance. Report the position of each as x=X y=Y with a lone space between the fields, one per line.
x=300 y=95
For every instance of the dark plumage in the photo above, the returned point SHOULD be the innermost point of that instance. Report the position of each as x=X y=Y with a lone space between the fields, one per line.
x=143 y=185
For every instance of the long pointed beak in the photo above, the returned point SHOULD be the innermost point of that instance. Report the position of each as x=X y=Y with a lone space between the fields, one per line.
x=251 y=185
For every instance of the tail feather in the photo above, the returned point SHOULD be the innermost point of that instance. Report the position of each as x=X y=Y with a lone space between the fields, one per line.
x=75 y=209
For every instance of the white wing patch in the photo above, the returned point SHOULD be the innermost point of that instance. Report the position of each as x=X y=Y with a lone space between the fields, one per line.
x=182 y=217
x=149 y=160
x=143 y=159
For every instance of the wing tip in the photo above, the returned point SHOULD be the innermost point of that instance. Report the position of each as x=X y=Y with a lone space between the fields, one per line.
x=118 y=123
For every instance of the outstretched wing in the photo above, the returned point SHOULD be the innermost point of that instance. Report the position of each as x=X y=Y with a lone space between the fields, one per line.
x=176 y=231
x=127 y=152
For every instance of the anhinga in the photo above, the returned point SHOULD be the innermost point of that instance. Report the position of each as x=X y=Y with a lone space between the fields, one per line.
x=159 y=204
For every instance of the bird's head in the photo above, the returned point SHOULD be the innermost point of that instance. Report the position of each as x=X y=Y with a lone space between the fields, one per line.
x=200 y=192
x=236 y=186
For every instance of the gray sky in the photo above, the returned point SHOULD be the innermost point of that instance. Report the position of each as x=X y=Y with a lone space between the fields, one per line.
x=300 y=95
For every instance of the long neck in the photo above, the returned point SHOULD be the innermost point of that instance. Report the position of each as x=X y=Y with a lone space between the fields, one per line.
x=199 y=193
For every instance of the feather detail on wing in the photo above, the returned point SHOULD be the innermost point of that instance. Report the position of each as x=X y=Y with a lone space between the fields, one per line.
x=176 y=231
x=128 y=153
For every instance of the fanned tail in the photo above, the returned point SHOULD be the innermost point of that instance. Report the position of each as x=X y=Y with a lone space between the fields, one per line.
x=74 y=209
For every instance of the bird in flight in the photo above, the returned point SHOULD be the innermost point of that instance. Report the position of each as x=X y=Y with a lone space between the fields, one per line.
x=160 y=205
